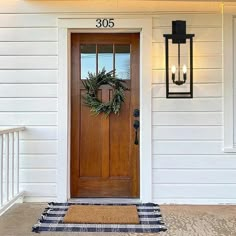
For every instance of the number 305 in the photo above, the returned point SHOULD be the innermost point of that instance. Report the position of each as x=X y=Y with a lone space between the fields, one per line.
x=105 y=23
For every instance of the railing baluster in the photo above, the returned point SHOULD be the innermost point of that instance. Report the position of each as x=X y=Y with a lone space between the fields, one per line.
x=7 y=165
x=13 y=166
x=1 y=169
x=18 y=161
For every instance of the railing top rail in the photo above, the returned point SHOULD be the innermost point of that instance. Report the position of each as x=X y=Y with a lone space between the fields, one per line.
x=11 y=130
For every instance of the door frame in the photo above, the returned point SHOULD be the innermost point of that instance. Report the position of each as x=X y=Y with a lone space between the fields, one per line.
x=72 y=24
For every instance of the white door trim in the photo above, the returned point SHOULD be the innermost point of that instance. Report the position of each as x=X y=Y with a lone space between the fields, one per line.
x=65 y=27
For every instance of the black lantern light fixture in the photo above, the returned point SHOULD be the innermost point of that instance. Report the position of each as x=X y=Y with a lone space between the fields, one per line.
x=179 y=61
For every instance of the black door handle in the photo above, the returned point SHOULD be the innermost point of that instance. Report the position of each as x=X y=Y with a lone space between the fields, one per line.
x=136 y=127
x=136 y=124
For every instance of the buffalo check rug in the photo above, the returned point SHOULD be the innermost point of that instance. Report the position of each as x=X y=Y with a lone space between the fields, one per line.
x=52 y=220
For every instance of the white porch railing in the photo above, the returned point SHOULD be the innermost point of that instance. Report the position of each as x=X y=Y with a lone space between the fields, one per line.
x=9 y=167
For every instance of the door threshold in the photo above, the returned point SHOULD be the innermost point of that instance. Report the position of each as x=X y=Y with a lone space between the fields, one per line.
x=105 y=200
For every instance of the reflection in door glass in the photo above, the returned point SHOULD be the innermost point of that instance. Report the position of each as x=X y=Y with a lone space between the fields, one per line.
x=122 y=61
x=105 y=57
x=88 y=59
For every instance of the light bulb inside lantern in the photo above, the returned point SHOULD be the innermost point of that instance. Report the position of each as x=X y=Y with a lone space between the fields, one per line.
x=173 y=69
x=184 y=73
x=184 y=69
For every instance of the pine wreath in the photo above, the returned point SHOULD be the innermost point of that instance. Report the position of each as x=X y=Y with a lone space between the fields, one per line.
x=92 y=84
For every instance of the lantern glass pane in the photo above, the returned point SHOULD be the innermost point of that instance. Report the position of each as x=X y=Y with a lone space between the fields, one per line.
x=179 y=67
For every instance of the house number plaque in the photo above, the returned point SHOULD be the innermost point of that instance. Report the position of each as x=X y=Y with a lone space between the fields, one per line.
x=105 y=23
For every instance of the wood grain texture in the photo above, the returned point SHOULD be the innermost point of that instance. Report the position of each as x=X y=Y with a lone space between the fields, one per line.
x=105 y=161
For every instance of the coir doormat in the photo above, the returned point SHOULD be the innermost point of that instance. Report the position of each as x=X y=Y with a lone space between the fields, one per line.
x=101 y=214
x=52 y=219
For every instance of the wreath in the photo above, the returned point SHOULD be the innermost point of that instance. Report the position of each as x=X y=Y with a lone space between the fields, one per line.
x=92 y=84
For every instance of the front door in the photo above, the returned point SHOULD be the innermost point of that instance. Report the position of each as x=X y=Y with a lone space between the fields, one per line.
x=104 y=156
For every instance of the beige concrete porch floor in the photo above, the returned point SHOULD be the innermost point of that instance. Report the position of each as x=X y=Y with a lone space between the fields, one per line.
x=180 y=220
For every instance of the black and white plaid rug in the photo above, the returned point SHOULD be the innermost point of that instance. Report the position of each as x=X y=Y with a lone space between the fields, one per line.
x=52 y=220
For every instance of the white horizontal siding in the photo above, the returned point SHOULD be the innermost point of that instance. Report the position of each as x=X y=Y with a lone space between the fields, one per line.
x=207 y=176
x=199 y=49
x=28 y=34
x=28 y=94
x=38 y=147
x=194 y=191
x=37 y=176
x=187 y=147
x=39 y=189
x=188 y=162
x=28 y=56
x=209 y=31
x=28 y=118
x=28 y=90
x=200 y=162
x=34 y=76
x=39 y=133
x=188 y=105
x=28 y=48
x=35 y=199
x=27 y=20
x=193 y=20
x=189 y=165
x=187 y=133
x=28 y=62
x=187 y=118
x=28 y=104
x=38 y=161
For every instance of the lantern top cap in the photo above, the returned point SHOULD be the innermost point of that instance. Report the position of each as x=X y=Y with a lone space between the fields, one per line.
x=179 y=27
x=179 y=32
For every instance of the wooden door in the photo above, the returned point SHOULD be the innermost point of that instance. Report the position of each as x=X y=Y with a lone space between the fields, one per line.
x=104 y=158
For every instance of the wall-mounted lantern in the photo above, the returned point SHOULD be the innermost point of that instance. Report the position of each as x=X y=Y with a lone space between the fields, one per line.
x=179 y=61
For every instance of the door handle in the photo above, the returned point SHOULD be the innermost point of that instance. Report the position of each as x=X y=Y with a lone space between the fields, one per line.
x=136 y=127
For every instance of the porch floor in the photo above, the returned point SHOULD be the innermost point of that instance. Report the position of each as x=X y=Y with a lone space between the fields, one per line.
x=180 y=220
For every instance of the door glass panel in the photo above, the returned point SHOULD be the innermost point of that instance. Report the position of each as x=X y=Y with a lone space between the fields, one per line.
x=105 y=57
x=122 y=61
x=88 y=59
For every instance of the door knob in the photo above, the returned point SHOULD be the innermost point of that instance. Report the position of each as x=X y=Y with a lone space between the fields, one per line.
x=136 y=113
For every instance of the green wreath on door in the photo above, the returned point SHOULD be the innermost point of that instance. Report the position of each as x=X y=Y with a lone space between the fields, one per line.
x=92 y=84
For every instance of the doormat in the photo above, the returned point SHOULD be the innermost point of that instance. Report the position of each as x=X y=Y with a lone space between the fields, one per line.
x=90 y=214
x=52 y=219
